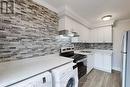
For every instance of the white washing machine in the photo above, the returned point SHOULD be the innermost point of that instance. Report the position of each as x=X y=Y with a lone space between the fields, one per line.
x=42 y=80
x=65 y=76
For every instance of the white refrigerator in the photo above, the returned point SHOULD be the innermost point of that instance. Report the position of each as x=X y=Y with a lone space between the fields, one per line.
x=126 y=59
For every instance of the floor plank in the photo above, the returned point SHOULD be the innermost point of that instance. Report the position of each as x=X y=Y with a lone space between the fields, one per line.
x=98 y=78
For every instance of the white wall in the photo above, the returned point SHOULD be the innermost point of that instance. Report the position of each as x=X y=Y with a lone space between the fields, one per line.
x=118 y=30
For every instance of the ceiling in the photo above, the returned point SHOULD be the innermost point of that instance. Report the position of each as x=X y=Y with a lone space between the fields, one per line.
x=94 y=10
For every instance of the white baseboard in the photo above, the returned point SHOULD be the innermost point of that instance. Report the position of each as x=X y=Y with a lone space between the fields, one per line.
x=103 y=69
x=117 y=69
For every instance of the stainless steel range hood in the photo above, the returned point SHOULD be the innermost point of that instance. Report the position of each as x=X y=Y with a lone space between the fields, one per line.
x=67 y=33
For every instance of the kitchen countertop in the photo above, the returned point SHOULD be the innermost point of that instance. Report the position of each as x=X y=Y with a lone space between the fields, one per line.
x=14 y=71
x=93 y=51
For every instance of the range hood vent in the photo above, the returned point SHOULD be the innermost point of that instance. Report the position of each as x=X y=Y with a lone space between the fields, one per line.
x=67 y=33
x=63 y=32
x=75 y=34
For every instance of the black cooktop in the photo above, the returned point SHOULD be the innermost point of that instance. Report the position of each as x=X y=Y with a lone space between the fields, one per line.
x=74 y=56
x=78 y=57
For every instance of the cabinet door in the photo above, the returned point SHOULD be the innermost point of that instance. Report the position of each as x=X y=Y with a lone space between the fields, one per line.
x=107 y=62
x=90 y=62
x=94 y=36
x=100 y=35
x=85 y=34
x=82 y=31
x=98 y=61
x=107 y=34
x=103 y=62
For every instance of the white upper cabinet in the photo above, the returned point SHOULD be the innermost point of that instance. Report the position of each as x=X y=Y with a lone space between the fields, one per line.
x=108 y=34
x=93 y=36
x=97 y=35
x=101 y=35
x=66 y=23
x=82 y=31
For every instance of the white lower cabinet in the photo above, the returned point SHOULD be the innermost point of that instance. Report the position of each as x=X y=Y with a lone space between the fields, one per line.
x=107 y=62
x=103 y=61
x=90 y=62
x=98 y=62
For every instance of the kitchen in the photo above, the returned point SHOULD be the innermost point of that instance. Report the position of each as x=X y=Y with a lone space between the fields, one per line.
x=45 y=43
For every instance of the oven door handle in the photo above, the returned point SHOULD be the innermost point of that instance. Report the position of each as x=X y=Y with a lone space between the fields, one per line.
x=75 y=66
x=82 y=60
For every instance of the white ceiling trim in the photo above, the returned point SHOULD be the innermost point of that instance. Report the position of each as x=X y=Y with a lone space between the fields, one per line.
x=43 y=3
x=103 y=24
x=65 y=11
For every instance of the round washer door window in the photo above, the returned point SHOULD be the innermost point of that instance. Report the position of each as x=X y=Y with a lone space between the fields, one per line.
x=71 y=83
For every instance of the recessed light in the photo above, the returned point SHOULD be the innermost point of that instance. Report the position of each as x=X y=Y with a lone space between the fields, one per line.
x=107 y=17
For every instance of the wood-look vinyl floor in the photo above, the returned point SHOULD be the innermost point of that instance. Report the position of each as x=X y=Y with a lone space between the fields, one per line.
x=97 y=78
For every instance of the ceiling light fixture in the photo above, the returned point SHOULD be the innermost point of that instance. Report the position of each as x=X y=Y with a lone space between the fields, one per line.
x=107 y=17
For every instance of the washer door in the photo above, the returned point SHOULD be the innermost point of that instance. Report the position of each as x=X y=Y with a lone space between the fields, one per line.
x=71 y=82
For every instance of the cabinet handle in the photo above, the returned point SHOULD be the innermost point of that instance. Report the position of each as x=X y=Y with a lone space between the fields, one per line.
x=44 y=79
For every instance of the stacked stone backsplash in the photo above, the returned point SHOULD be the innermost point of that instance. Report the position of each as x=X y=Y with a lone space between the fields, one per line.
x=31 y=31
x=80 y=46
x=102 y=46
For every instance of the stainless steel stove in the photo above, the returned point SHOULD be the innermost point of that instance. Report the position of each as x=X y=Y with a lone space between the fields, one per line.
x=78 y=58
